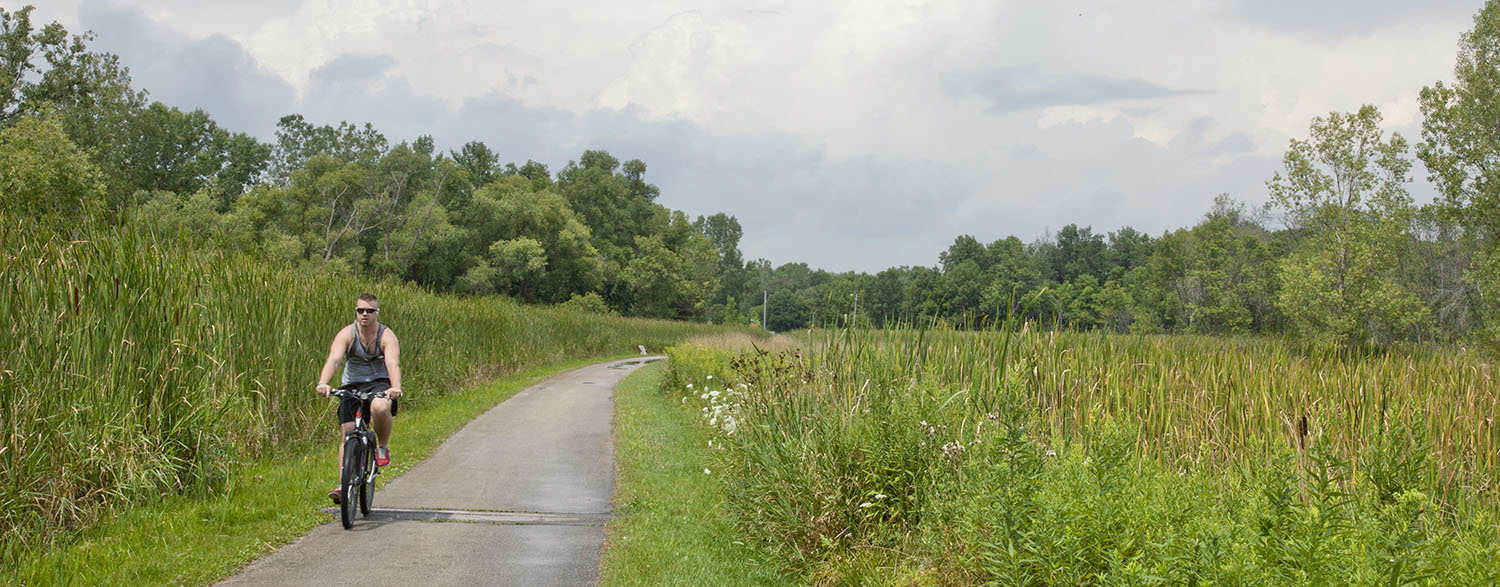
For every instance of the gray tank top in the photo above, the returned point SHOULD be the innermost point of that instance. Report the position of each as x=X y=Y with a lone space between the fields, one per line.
x=364 y=363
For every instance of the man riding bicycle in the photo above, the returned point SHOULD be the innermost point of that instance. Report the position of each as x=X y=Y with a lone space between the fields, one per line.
x=372 y=362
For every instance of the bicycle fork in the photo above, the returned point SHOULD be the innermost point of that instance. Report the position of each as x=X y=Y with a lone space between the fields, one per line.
x=367 y=444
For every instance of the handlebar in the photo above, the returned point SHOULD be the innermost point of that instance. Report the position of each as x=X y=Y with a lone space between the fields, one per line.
x=355 y=394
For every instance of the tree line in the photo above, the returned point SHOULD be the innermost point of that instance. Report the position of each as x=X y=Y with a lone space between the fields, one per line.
x=1353 y=260
x=77 y=140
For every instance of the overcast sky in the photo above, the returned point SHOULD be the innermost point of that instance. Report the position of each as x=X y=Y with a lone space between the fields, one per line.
x=851 y=135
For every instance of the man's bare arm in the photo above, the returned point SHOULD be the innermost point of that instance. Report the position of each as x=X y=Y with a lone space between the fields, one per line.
x=392 y=350
x=336 y=350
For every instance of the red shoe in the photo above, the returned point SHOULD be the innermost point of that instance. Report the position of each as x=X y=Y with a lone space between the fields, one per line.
x=382 y=456
x=337 y=495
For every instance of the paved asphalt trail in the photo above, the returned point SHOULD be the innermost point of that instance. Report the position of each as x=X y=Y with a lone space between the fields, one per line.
x=519 y=496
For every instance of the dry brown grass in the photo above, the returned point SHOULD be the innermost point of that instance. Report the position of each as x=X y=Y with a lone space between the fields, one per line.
x=740 y=341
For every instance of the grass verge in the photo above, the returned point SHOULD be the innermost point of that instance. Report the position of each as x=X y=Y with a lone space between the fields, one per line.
x=199 y=540
x=671 y=527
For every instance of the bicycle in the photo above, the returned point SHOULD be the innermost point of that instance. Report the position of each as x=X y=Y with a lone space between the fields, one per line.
x=357 y=476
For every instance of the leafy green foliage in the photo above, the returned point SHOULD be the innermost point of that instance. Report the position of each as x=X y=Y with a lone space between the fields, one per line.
x=1345 y=186
x=298 y=141
x=50 y=73
x=1398 y=460
x=47 y=70
x=564 y=261
x=1459 y=144
x=42 y=173
x=616 y=202
x=166 y=149
x=1458 y=131
x=589 y=303
x=477 y=160
x=1217 y=278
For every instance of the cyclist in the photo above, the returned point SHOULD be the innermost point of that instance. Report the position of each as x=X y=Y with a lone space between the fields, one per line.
x=372 y=362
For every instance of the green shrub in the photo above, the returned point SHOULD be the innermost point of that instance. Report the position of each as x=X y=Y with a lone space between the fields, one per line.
x=590 y=303
x=693 y=367
x=1397 y=460
x=42 y=173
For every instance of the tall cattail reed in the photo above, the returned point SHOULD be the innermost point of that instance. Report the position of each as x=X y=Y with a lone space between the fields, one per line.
x=1198 y=401
x=1029 y=456
x=135 y=365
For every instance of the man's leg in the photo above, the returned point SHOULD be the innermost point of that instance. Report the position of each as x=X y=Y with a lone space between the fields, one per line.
x=344 y=429
x=381 y=419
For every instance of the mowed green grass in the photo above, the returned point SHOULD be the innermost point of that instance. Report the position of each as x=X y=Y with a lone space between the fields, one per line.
x=188 y=541
x=672 y=527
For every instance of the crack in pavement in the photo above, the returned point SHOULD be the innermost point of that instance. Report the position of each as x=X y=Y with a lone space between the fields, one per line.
x=635 y=363
x=484 y=517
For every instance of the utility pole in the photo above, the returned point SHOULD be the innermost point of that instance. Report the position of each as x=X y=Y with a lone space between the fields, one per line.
x=856 y=310
x=764 y=297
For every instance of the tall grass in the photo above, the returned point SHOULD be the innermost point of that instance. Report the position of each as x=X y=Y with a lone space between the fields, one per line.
x=670 y=526
x=135 y=365
x=1202 y=401
x=1018 y=457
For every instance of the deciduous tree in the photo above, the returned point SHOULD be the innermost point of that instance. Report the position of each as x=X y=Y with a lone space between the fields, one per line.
x=1345 y=188
x=42 y=173
x=1460 y=142
x=298 y=140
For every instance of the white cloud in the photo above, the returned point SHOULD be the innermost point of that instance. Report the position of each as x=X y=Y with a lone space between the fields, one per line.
x=851 y=134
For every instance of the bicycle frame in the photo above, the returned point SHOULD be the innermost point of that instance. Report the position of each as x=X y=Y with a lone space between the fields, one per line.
x=366 y=438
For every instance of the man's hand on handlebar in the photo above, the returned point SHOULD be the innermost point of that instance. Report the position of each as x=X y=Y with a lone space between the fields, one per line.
x=324 y=389
x=393 y=392
x=352 y=392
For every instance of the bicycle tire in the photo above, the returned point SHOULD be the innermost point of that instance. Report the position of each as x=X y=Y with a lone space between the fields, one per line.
x=351 y=481
x=367 y=483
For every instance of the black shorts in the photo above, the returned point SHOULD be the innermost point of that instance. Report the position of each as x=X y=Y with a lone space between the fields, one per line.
x=347 y=405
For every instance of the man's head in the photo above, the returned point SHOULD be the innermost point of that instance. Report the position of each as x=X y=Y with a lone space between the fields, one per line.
x=366 y=307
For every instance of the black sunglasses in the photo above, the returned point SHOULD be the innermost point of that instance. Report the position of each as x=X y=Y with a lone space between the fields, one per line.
x=366 y=310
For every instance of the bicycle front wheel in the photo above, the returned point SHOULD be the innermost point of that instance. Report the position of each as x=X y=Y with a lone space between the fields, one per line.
x=367 y=488
x=352 y=479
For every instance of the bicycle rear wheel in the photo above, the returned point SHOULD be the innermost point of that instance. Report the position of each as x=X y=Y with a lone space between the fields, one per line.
x=352 y=479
